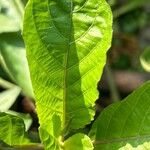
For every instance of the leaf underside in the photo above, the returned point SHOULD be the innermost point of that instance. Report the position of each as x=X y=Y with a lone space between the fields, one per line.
x=66 y=45
x=126 y=124
x=14 y=61
x=8 y=97
x=12 y=130
x=9 y=16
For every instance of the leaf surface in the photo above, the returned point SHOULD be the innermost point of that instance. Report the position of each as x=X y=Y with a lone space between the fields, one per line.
x=25 y=117
x=10 y=18
x=66 y=45
x=12 y=130
x=8 y=97
x=13 y=57
x=126 y=124
x=78 y=141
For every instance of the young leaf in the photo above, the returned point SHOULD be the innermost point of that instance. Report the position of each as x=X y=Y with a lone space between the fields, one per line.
x=25 y=117
x=66 y=45
x=12 y=130
x=14 y=61
x=80 y=141
x=126 y=124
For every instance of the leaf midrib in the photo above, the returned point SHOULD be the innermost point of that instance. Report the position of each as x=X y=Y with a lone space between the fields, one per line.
x=65 y=70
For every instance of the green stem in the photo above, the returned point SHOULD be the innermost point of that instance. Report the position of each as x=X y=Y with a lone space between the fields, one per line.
x=112 y=85
x=30 y=147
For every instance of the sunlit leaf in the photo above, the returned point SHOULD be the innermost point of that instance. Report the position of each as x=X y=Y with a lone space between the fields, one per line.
x=78 y=142
x=125 y=125
x=26 y=118
x=12 y=130
x=66 y=45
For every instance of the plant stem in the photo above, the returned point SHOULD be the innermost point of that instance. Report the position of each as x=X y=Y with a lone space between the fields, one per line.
x=30 y=147
x=112 y=85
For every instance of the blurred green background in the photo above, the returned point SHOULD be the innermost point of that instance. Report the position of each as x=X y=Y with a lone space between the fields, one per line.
x=128 y=63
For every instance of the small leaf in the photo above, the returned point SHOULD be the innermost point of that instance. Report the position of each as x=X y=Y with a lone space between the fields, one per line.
x=14 y=61
x=12 y=130
x=8 y=97
x=51 y=140
x=26 y=118
x=145 y=59
x=78 y=142
x=126 y=124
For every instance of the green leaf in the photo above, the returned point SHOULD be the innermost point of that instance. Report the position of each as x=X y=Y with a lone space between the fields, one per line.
x=12 y=130
x=78 y=141
x=6 y=84
x=10 y=18
x=126 y=124
x=13 y=57
x=145 y=59
x=66 y=45
x=26 y=118
x=8 y=97
x=50 y=143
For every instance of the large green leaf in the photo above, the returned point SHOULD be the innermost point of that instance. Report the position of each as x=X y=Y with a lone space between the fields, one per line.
x=13 y=57
x=126 y=124
x=10 y=17
x=66 y=43
x=12 y=130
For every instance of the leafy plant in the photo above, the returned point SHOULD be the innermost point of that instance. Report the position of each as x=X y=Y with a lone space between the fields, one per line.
x=124 y=125
x=12 y=130
x=66 y=44
x=66 y=49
